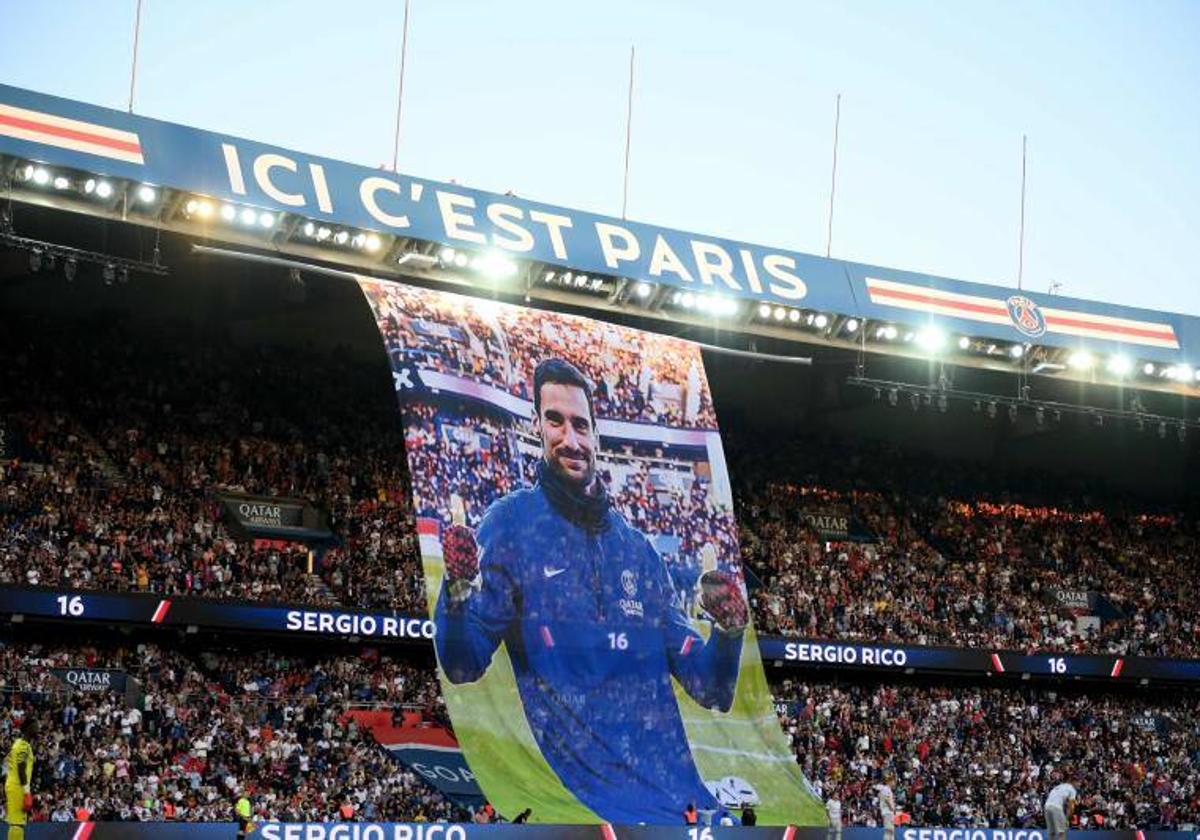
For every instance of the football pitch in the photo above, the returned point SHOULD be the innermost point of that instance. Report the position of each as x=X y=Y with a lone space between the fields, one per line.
x=746 y=742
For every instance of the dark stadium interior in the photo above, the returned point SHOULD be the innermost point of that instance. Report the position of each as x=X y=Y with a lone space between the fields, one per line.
x=280 y=386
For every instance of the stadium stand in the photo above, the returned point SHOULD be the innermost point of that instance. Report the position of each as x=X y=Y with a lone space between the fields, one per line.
x=969 y=755
x=209 y=723
x=961 y=559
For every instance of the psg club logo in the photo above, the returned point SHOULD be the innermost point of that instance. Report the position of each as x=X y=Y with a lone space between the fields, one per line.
x=1026 y=316
x=629 y=582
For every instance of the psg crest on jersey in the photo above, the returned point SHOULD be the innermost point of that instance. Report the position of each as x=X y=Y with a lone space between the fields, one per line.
x=1026 y=316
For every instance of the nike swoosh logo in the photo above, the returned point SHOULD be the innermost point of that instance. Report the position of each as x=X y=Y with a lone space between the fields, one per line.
x=549 y=573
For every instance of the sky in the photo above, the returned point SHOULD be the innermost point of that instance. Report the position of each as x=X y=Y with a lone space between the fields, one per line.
x=733 y=113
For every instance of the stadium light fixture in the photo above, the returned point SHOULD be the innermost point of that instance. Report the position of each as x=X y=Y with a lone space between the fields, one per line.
x=1017 y=351
x=492 y=265
x=931 y=339
x=200 y=207
x=373 y=243
x=266 y=220
x=764 y=310
x=964 y=343
x=39 y=176
x=228 y=212
x=100 y=189
x=1081 y=360
x=147 y=194
x=852 y=325
x=248 y=216
x=718 y=305
x=642 y=289
x=687 y=300
x=323 y=233
x=1119 y=365
x=1148 y=368
x=461 y=260
x=61 y=182
x=821 y=321
x=1180 y=373
x=794 y=316
x=416 y=258
x=780 y=313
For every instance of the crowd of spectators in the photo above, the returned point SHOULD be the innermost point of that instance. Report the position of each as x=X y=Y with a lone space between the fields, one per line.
x=118 y=478
x=970 y=756
x=201 y=729
x=954 y=563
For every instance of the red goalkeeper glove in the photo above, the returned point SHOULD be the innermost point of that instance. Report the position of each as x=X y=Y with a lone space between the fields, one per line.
x=460 y=553
x=721 y=598
x=27 y=802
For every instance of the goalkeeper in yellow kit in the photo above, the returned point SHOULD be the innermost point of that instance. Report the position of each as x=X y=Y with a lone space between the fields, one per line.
x=19 y=767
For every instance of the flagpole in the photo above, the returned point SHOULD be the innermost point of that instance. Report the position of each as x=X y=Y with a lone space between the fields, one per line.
x=137 y=31
x=837 y=122
x=400 y=93
x=628 y=136
x=1021 y=233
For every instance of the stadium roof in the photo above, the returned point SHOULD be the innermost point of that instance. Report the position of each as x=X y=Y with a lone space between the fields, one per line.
x=105 y=163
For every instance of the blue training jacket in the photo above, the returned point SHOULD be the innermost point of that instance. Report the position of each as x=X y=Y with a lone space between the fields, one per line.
x=595 y=633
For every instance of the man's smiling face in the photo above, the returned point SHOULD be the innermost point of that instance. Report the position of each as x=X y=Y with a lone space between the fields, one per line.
x=568 y=434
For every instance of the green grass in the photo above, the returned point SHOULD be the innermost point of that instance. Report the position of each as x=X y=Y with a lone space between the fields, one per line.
x=490 y=724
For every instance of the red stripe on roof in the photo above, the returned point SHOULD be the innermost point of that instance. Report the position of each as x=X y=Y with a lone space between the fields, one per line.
x=924 y=297
x=71 y=134
x=1164 y=333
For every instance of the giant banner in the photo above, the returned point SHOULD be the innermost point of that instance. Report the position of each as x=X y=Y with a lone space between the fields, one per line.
x=592 y=628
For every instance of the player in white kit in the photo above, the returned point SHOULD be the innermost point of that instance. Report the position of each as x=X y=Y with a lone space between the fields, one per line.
x=1059 y=808
x=833 y=808
x=887 y=805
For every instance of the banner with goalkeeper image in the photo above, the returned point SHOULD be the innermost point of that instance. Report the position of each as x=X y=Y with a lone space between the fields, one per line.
x=582 y=567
